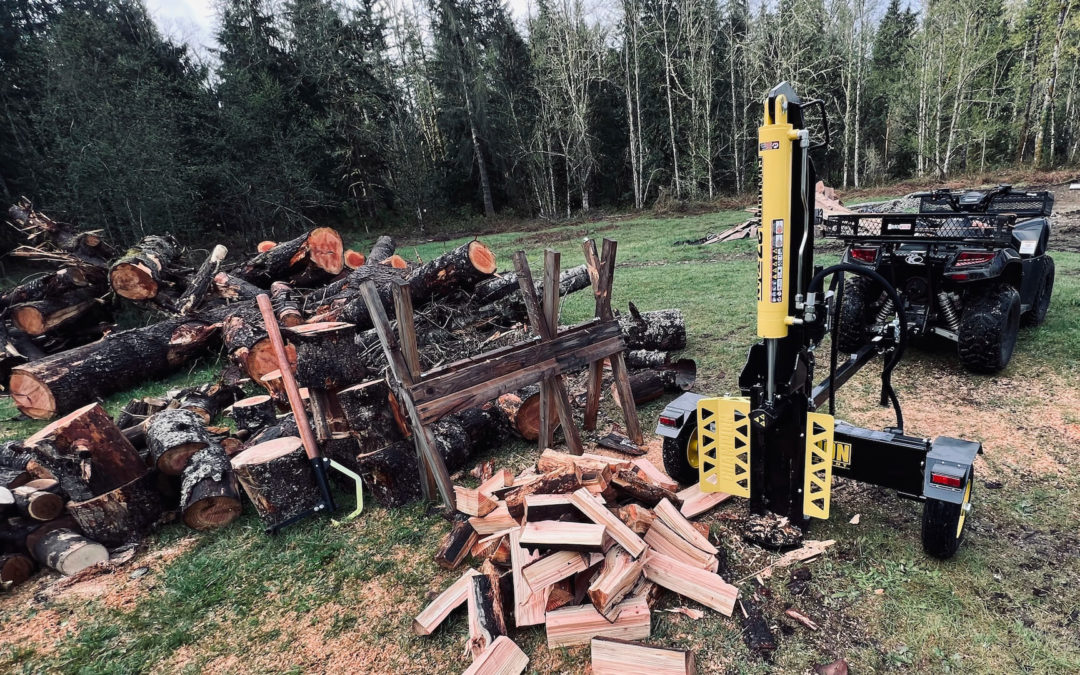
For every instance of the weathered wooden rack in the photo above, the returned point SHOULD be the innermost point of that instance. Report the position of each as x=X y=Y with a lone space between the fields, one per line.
x=429 y=396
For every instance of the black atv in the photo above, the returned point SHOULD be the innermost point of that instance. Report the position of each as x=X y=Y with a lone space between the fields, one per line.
x=970 y=266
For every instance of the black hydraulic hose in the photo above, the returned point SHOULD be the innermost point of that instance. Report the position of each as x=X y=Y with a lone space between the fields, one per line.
x=838 y=286
x=888 y=395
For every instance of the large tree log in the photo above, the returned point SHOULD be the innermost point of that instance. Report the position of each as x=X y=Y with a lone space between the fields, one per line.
x=327 y=356
x=122 y=515
x=140 y=273
x=382 y=249
x=506 y=285
x=254 y=413
x=86 y=453
x=173 y=436
x=247 y=344
x=311 y=257
x=231 y=288
x=369 y=410
x=58 y=312
x=201 y=280
x=661 y=330
x=278 y=479
x=462 y=267
x=62 y=382
x=68 y=552
x=55 y=284
x=209 y=494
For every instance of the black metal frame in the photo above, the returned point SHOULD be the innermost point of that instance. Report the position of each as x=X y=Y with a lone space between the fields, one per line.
x=954 y=228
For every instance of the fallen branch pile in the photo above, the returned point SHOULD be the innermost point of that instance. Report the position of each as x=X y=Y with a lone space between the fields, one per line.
x=583 y=545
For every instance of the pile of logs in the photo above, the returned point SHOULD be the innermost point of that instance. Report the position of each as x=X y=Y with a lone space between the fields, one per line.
x=583 y=545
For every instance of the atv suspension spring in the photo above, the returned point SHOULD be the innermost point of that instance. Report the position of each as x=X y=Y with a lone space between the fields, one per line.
x=948 y=310
x=886 y=311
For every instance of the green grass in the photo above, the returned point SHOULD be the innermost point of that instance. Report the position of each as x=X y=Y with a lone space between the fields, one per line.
x=322 y=597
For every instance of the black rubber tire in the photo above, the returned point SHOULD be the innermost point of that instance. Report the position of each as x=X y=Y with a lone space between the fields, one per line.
x=856 y=314
x=1037 y=314
x=988 y=328
x=940 y=520
x=676 y=462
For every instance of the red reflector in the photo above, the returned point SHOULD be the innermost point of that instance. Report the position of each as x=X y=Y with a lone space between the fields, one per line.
x=866 y=255
x=967 y=258
x=947 y=481
x=667 y=421
x=958 y=276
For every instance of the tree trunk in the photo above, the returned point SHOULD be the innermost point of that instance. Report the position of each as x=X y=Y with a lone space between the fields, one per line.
x=209 y=494
x=314 y=256
x=62 y=382
x=68 y=552
x=382 y=249
x=57 y=312
x=140 y=273
x=278 y=479
x=1051 y=83
x=462 y=267
x=506 y=285
x=660 y=330
x=122 y=515
x=247 y=344
x=173 y=436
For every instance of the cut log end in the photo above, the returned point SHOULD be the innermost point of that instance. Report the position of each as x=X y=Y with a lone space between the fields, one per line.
x=173 y=461
x=212 y=513
x=267 y=452
x=265 y=246
x=354 y=259
x=133 y=281
x=32 y=396
x=15 y=569
x=28 y=319
x=482 y=258
x=395 y=261
x=325 y=249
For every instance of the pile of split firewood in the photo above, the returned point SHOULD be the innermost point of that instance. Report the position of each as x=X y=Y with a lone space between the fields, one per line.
x=87 y=480
x=583 y=545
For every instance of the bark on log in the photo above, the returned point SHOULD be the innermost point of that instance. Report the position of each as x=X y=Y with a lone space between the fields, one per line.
x=661 y=330
x=15 y=569
x=59 y=312
x=311 y=257
x=140 y=273
x=462 y=267
x=286 y=303
x=370 y=414
x=173 y=436
x=68 y=552
x=122 y=515
x=62 y=382
x=201 y=280
x=506 y=285
x=327 y=356
x=382 y=249
x=13 y=455
x=86 y=453
x=641 y=359
x=208 y=400
x=254 y=413
x=247 y=344
x=649 y=385
x=55 y=284
x=278 y=479
x=232 y=288
x=37 y=504
x=209 y=493
x=457 y=543
x=16 y=348
x=522 y=411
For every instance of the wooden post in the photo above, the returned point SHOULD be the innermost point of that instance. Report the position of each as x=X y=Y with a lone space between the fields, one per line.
x=410 y=352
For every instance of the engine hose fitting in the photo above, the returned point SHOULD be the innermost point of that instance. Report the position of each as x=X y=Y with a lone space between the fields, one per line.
x=948 y=310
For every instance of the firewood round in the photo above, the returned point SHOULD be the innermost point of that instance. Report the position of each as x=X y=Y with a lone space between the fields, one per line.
x=173 y=436
x=278 y=478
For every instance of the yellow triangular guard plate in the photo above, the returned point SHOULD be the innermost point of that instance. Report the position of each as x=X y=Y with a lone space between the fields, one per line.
x=817 y=481
x=724 y=445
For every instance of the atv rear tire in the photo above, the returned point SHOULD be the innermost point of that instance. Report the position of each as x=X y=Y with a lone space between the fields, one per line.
x=681 y=454
x=988 y=329
x=856 y=314
x=945 y=523
x=1037 y=314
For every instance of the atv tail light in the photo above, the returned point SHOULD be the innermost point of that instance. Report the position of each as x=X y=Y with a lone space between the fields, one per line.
x=863 y=255
x=946 y=480
x=668 y=421
x=968 y=258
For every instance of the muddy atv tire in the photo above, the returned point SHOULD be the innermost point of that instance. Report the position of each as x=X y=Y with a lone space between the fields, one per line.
x=945 y=523
x=681 y=454
x=856 y=314
x=988 y=329
x=1037 y=314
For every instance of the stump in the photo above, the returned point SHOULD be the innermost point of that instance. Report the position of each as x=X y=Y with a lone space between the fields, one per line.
x=327 y=356
x=139 y=273
x=86 y=453
x=122 y=515
x=68 y=552
x=173 y=436
x=15 y=568
x=278 y=479
x=254 y=413
x=209 y=494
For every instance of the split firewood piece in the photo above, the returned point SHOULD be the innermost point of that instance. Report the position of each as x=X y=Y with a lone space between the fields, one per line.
x=688 y=612
x=661 y=330
x=487 y=620
x=121 y=515
x=456 y=544
x=637 y=518
x=327 y=355
x=34 y=502
x=560 y=594
x=554 y=535
x=450 y=599
x=552 y=460
x=62 y=382
x=550 y=507
x=809 y=549
x=631 y=484
x=801 y=618
x=312 y=257
x=623 y=657
x=665 y=540
x=498 y=480
x=671 y=517
x=651 y=473
x=201 y=281
x=493 y=547
x=67 y=552
x=616 y=463
x=382 y=249
x=354 y=259
x=15 y=569
x=599 y=514
x=691 y=582
x=209 y=493
x=172 y=437
x=616 y=579
x=278 y=479
x=473 y=502
x=620 y=443
x=696 y=502
x=529 y=605
x=140 y=273
x=503 y=657
x=86 y=453
x=286 y=303
x=572 y=626
x=254 y=413
x=562 y=481
x=649 y=592
x=554 y=568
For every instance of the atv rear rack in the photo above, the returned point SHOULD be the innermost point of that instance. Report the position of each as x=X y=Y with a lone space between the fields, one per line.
x=1021 y=203
x=988 y=229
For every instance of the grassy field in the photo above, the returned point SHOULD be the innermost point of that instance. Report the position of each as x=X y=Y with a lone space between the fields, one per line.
x=323 y=597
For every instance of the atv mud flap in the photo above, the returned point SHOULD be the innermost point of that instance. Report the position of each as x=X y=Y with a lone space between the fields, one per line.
x=817 y=477
x=724 y=445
